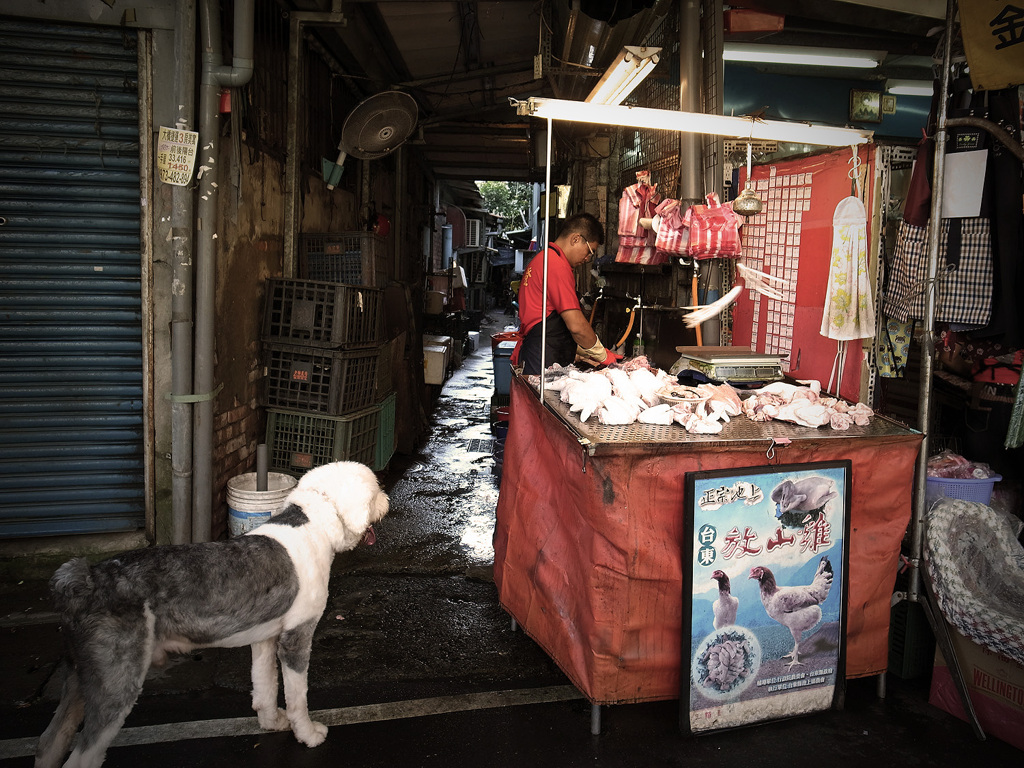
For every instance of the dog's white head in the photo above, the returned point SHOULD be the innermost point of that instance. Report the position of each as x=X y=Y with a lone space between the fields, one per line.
x=345 y=497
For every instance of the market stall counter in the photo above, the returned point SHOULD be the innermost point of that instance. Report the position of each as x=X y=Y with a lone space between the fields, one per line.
x=590 y=530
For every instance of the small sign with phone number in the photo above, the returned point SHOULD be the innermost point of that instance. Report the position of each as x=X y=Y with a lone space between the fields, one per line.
x=176 y=155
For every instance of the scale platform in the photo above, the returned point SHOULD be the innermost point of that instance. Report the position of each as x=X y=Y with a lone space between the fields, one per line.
x=733 y=364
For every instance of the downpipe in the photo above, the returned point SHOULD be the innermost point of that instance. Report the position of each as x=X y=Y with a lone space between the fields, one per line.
x=182 y=237
x=215 y=76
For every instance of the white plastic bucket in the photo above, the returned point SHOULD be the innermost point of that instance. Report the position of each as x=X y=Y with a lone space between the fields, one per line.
x=248 y=508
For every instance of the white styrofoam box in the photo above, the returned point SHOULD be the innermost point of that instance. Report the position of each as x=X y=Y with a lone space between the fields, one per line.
x=474 y=340
x=435 y=363
x=437 y=341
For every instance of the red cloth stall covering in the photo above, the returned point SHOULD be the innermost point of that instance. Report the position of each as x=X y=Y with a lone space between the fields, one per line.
x=587 y=554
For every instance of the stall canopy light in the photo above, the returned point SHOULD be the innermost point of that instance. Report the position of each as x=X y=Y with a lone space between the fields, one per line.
x=693 y=122
x=909 y=87
x=802 y=55
x=626 y=73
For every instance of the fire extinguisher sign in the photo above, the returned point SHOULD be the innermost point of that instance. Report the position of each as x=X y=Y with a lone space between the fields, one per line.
x=176 y=155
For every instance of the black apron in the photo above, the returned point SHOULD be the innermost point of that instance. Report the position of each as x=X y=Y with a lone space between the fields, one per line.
x=561 y=346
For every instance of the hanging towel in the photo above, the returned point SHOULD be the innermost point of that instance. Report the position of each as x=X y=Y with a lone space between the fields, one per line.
x=849 y=311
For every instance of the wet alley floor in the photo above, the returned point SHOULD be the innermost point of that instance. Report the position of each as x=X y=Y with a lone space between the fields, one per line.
x=415 y=664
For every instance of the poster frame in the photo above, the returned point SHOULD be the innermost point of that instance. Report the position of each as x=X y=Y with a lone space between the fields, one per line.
x=765 y=695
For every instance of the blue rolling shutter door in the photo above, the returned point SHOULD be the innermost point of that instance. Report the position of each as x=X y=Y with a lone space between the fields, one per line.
x=71 y=364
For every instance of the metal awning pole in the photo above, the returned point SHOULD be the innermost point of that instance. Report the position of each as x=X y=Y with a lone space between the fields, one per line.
x=931 y=286
x=544 y=282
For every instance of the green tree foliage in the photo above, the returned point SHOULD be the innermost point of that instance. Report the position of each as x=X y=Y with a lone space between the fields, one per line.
x=508 y=199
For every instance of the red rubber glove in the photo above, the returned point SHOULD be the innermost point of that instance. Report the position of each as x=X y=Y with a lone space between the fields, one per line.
x=611 y=357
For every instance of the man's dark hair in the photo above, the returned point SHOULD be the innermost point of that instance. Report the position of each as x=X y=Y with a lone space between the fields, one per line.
x=585 y=224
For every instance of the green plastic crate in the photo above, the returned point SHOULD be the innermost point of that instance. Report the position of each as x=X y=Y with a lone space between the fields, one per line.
x=385 y=433
x=297 y=442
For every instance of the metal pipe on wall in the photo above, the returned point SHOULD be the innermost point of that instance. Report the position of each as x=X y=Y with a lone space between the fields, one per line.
x=214 y=77
x=446 y=246
x=691 y=181
x=181 y=286
x=713 y=147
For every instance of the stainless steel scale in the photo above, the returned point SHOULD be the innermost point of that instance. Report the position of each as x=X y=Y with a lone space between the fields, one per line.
x=732 y=364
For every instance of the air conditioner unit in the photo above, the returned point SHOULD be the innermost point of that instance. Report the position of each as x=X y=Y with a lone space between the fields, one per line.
x=474 y=233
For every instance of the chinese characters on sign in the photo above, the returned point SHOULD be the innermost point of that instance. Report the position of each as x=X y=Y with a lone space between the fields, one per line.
x=765 y=618
x=993 y=35
x=176 y=155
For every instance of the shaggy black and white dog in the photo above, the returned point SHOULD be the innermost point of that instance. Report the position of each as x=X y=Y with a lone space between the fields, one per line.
x=266 y=589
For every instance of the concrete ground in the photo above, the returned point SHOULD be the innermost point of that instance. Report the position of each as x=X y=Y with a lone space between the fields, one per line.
x=415 y=664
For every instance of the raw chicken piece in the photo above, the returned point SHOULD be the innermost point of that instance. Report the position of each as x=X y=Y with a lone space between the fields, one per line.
x=692 y=422
x=725 y=394
x=623 y=386
x=647 y=385
x=810 y=414
x=705 y=427
x=789 y=392
x=587 y=394
x=636 y=363
x=615 y=410
x=716 y=410
x=840 y=420
x=861 y=414
x=659 y=414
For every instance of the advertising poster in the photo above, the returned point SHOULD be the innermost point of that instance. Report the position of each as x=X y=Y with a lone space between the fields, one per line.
x=176 y=155
x=764 y=593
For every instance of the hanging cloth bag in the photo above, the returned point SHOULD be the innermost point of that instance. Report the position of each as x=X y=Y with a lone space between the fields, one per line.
x=672 y=237
x=714 y=230
x=849 y=310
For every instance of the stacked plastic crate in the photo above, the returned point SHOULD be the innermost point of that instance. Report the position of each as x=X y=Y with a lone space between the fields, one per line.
x=327 y=375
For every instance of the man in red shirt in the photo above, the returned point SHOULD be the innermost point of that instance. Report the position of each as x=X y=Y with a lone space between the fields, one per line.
x=568 y=332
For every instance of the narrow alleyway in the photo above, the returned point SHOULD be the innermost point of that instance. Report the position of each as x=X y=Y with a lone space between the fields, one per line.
x=415 y=663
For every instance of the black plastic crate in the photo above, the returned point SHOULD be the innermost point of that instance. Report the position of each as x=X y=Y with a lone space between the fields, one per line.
x=298 y=442
x=331 y=382
x=357 y=258
x=323 y=314
x=911 y=642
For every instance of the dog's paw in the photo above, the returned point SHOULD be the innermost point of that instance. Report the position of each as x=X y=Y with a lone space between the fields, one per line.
x=312 y=734
x=273 y=719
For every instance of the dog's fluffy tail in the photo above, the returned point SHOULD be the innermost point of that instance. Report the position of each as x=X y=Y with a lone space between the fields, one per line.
x=70 y=586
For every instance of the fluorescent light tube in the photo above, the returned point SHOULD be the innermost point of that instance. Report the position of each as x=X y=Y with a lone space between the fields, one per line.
x=693 y=122
x=909 y=87
x=628 y=70
x=802 y=55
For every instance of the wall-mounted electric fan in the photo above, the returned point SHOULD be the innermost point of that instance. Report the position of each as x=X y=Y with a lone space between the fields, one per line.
x=375 y=128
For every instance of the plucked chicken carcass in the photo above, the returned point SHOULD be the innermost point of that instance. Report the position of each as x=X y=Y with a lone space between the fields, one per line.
x=796 y=608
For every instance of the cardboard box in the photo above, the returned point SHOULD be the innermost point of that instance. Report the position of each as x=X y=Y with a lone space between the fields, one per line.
x=741 y=20
x=996 y=686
